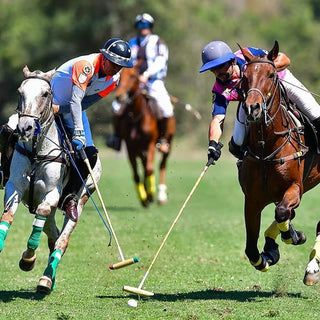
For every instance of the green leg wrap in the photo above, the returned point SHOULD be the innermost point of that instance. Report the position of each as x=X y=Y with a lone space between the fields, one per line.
x=37 y=228
x=52 y=266
x=4 y=229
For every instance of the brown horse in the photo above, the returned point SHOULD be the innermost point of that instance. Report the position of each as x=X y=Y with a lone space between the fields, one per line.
x=139 y=129
x=278 y=166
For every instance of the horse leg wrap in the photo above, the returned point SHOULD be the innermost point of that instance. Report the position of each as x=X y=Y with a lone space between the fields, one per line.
x=271 y=251
x=289 y=235
x=272 y=231
x=261 y=264
x=4 y=229
x=34 y=239
x=315 y=253
x=151 y=185
x=51 y=269
x=141 y=191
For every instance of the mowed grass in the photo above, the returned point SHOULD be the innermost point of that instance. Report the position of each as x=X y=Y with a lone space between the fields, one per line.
x=201 y=272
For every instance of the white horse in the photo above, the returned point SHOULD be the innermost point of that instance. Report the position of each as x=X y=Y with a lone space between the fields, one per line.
x=39 y=172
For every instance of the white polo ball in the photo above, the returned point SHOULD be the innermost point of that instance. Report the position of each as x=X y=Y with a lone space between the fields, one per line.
x=132 y=303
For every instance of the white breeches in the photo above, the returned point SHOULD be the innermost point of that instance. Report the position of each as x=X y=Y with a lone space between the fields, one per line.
x=158 y=91
x=300 y=95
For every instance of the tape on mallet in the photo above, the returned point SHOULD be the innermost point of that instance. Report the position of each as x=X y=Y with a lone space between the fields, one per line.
x=124 y=263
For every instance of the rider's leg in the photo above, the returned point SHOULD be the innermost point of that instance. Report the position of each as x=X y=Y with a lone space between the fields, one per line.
x=8 y=139
x=236 y=143
x=304 y=100
x=158 y=91
x=114 y=141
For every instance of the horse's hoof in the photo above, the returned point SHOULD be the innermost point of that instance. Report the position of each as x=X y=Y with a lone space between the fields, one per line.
x=45 y=285
x=301 y=238
x=27 y=264
x=310 y=279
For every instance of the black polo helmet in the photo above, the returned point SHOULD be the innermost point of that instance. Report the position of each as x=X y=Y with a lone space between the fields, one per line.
x=118 y=51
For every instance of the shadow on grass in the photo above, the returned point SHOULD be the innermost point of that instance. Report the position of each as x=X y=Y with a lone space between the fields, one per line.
x=241 y=296
x=8 y=296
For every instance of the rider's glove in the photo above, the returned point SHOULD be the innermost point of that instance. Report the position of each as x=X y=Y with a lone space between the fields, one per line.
x=78 y=139
x=214 y=150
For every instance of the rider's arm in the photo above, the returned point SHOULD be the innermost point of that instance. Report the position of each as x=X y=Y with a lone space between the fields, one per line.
x=216 y=127
x=282 y=61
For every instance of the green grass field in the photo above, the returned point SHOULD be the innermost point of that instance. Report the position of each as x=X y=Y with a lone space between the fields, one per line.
x=201 y=273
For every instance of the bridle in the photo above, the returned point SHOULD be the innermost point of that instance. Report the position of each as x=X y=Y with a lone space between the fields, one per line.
x=271 y=94
x=268 y=100
x=46 y=115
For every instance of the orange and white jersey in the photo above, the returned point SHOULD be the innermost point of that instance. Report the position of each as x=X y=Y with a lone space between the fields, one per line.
x=82 y=72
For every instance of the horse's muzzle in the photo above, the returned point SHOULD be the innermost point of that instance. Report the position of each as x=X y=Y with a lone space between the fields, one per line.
x=253 y=111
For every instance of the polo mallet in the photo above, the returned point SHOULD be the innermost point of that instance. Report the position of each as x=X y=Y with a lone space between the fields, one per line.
x=139 y=291
x=123 y=262
x=187 y=106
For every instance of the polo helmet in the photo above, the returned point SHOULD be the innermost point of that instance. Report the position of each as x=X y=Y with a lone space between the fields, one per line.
x=118 y=51
x=215 y=54
x=144 y=20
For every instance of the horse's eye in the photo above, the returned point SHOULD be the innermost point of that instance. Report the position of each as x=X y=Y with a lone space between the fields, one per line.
x=44 y=95
x=271 y=75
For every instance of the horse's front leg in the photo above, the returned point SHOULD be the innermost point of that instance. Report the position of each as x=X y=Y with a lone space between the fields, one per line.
x=12 y=199
x=311 y=276
x=162 y=192
x=253 y=220
x=150 y=179
x=29 y=257
x=284 y=213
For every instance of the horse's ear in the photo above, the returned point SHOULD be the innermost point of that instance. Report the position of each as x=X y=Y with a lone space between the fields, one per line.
x=246 y=53
x=272 y=55
x=50 y=74
x=26 y=71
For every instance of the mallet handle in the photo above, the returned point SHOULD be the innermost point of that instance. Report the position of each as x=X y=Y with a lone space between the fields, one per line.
x=175 y=221
x=85 y=159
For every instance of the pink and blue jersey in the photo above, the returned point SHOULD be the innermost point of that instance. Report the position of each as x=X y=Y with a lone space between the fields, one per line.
x=224 y=92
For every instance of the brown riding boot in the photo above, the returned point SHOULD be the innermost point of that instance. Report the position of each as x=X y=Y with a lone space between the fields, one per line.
x=8 y=140
x=165 y=134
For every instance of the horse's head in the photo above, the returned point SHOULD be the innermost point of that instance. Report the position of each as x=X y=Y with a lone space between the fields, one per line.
x=129 y=83
x=259 y=82
x=35 y=102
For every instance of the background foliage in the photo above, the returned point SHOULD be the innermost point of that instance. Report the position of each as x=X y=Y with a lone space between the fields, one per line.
x=44 y=34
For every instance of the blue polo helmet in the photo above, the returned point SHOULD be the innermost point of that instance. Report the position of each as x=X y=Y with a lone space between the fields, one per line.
x=118 y=51
x=215 y=54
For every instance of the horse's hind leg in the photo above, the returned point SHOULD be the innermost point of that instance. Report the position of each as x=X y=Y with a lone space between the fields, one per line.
x=5 y=223
x=162 y=188
x=311 y=276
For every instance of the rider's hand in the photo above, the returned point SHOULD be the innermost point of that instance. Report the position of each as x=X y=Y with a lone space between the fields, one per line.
x=78 y=140
x=144 y=77
x=214 y=150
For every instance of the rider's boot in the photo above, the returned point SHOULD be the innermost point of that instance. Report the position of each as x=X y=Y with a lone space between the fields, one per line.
x=70 y=196
x=114 y=141
x=163 y=144
x=235 y=150
x=8 y=139
x=316 y=124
